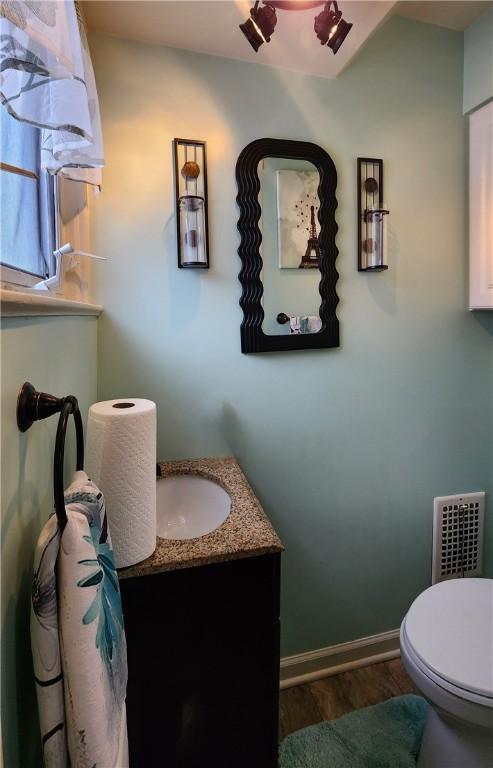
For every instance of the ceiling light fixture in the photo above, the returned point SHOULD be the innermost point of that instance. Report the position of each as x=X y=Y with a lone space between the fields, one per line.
x=330 y=28
x=260 y=25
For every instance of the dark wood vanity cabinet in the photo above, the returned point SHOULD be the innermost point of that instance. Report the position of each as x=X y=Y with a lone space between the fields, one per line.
x=203 y=665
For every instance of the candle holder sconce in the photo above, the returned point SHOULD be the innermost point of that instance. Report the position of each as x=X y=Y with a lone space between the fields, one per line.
x=191 y=204
x=372 y=229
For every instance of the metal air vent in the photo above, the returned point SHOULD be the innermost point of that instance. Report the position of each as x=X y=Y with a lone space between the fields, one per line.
x=458 y=523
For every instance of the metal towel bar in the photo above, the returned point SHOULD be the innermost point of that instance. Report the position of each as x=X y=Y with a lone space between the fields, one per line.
x=33 y=406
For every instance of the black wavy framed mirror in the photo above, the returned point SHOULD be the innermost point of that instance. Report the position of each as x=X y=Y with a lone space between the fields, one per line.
x=287 y=202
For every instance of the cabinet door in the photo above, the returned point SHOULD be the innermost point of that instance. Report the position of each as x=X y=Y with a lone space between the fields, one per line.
x=203 y=665
x=481 y=208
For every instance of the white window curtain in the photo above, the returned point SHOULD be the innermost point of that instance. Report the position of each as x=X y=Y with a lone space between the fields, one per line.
x=47 y=80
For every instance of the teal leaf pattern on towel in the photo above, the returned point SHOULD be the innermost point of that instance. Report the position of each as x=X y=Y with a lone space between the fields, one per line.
x=106 y=607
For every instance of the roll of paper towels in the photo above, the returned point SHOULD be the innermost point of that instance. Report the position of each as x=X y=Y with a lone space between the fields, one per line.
x=121 y=460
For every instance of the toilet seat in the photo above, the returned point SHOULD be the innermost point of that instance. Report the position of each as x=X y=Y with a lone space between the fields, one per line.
x=448 y=634
x=460 y=693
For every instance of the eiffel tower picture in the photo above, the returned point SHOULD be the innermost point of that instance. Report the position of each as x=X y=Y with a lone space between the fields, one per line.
x=297 y=209
x=311 y=259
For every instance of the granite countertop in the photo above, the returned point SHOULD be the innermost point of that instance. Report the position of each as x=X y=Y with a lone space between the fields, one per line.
x=246 y=532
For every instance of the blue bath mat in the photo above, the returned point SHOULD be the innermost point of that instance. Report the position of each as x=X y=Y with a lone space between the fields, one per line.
x=387 y=735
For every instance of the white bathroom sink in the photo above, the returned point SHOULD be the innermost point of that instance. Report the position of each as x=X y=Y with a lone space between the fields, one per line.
x=189 y=506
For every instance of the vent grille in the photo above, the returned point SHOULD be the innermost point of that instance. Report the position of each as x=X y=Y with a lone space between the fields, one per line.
x=458 y=523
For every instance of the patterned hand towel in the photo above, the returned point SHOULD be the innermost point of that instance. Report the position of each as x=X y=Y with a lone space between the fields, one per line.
x=77 y=637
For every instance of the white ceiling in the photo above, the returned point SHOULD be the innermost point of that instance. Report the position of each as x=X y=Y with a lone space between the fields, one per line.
x=454 y=14
x=212 y=27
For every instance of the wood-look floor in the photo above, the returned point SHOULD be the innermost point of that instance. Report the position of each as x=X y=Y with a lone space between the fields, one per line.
x=334 y=696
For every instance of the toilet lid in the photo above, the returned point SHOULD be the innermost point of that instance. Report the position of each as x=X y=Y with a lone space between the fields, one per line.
x=450 y=628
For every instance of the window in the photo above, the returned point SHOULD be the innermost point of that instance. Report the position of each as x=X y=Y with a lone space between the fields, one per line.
x=28 y=200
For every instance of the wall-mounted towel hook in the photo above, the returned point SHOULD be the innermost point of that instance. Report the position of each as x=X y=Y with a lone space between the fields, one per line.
x=33 y=406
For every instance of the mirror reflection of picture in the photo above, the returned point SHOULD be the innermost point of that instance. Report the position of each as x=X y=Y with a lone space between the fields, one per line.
x=297 y=215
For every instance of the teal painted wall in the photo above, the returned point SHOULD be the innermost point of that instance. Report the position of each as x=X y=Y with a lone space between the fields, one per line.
x=58 y=355
x=478 y=61
x=345 y=448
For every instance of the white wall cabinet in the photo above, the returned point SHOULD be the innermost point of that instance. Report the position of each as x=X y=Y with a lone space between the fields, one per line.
x=481 y=208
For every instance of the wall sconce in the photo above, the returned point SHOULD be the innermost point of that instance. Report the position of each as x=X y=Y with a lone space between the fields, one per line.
x=372 y=230
x=191 y=204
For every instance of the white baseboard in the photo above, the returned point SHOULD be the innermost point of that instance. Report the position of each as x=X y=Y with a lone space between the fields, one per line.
x=313 y=665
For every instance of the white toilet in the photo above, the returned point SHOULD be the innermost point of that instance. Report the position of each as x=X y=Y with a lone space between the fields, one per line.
x=447 y=650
